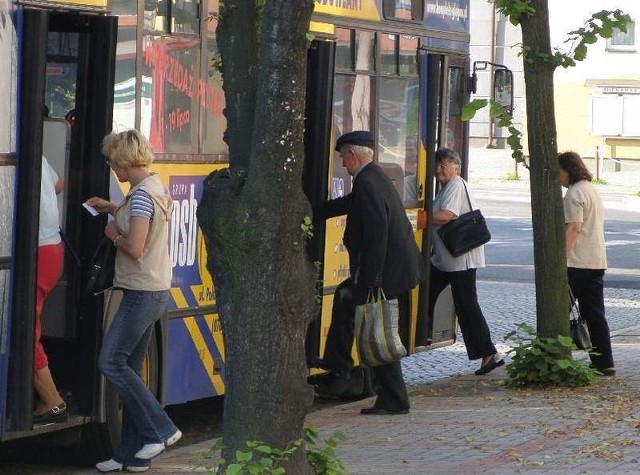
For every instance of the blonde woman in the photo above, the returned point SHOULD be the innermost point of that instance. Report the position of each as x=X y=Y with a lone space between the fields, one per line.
x=143 y=274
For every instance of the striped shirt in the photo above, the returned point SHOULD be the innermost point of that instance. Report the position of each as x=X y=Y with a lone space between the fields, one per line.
x=141 y=205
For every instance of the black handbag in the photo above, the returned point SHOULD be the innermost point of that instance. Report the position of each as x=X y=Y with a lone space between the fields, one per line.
x=102 y=268
x=579 y=328
x=466 y=232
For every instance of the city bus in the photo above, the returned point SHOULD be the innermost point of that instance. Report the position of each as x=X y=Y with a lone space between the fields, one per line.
x=74 y=70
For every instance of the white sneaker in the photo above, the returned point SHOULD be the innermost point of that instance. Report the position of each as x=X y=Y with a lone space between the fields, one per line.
x=148 y=451
x=136 y=468
x=174 y=438
x=109 y=466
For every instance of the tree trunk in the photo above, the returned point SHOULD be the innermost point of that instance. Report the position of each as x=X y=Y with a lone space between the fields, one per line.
x=251 y=217
x=546 y=197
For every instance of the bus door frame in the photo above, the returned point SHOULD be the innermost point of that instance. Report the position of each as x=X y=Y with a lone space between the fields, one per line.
x=96 y=113
x=318 y=152
x=434 y=73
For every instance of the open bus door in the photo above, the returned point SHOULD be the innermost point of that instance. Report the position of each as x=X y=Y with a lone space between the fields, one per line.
x=407 y=113
x=66 y=61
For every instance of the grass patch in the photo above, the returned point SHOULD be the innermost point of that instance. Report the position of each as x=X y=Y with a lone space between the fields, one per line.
x=599 y=181
x=513 y=176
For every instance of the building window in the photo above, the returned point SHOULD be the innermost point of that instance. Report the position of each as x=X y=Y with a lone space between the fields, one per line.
x=623 y=41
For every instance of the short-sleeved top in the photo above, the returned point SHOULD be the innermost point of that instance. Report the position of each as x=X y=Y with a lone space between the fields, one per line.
x=49 y=227
x=142 y=205
x=583 y=205
x=453 y=197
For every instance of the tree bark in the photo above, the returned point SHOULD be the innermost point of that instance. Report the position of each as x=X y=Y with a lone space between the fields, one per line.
x=546 y=197
x=251 y=216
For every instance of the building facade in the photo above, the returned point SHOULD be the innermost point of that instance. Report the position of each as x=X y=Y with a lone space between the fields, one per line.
x=597 y=102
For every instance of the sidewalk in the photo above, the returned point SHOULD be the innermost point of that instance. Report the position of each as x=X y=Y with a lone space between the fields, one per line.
x=470 y=424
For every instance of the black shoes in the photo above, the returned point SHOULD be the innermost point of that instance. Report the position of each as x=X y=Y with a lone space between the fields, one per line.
x=330 y=371
x=57 y=414
x=491 y=365
x=611 y=371
x=320 y=364
x=330 y=385
x=379 y=411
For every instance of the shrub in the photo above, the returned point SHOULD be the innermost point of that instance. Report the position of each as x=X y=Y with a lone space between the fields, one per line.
x=261 y=459
x=538 y=361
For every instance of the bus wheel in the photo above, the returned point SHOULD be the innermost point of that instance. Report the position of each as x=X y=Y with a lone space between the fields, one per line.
x=113 y=406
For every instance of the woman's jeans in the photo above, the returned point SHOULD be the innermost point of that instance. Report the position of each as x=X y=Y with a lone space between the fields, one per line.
x=123 y=351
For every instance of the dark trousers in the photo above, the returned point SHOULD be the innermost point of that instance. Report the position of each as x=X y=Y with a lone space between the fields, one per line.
x=387 y=379
x=474 y=328
x=587 y=287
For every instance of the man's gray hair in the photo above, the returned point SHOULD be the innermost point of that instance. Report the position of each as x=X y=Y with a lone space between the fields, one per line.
x=449 y=156
x=358 y=150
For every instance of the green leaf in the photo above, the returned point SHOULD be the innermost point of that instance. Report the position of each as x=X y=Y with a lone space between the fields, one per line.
x=233 y=469
x=469 y=110
x=580 y=52
x=243 y=456
x=265 y=449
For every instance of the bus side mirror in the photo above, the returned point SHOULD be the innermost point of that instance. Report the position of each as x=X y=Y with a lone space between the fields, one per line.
x=503 y=89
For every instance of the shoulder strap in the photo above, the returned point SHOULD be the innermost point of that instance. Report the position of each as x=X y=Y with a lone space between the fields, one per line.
x=467 y=192
x=70 y=248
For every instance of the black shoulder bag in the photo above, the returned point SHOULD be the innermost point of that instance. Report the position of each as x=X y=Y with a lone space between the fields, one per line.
x=579 y=329
x=466 y=232
x=102 y=268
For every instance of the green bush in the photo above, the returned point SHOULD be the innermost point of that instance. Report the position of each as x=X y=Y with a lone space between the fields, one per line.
x=261 y=459
x=545 y=362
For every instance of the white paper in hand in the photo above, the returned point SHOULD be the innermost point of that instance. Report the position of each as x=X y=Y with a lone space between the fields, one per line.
x=90 y=209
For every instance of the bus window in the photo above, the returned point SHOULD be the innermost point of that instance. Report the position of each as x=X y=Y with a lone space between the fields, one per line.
x=454 y=132
x=365 y=50
x=62 y=72
x=398 y=120
x=171 y=116
x=352 y=110
x=211 y=98
x=185 y=17
x=124 y=94
x=344 y=49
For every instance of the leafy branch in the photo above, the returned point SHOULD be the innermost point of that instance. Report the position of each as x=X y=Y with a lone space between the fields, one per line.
x=602 y=24
x=262 y=459
x=514 y=10
x=503 y=119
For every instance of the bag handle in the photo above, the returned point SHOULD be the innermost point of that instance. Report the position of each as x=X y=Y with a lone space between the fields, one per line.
x=464 y=183
x=375 y=296
x=574 y=310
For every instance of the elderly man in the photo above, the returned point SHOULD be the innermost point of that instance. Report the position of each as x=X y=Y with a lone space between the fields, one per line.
x=382 y=253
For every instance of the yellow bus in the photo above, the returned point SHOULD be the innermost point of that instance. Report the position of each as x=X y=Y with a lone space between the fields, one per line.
x=75 y=69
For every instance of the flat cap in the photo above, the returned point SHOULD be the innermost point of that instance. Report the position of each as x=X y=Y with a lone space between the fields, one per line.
x=357 y=137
